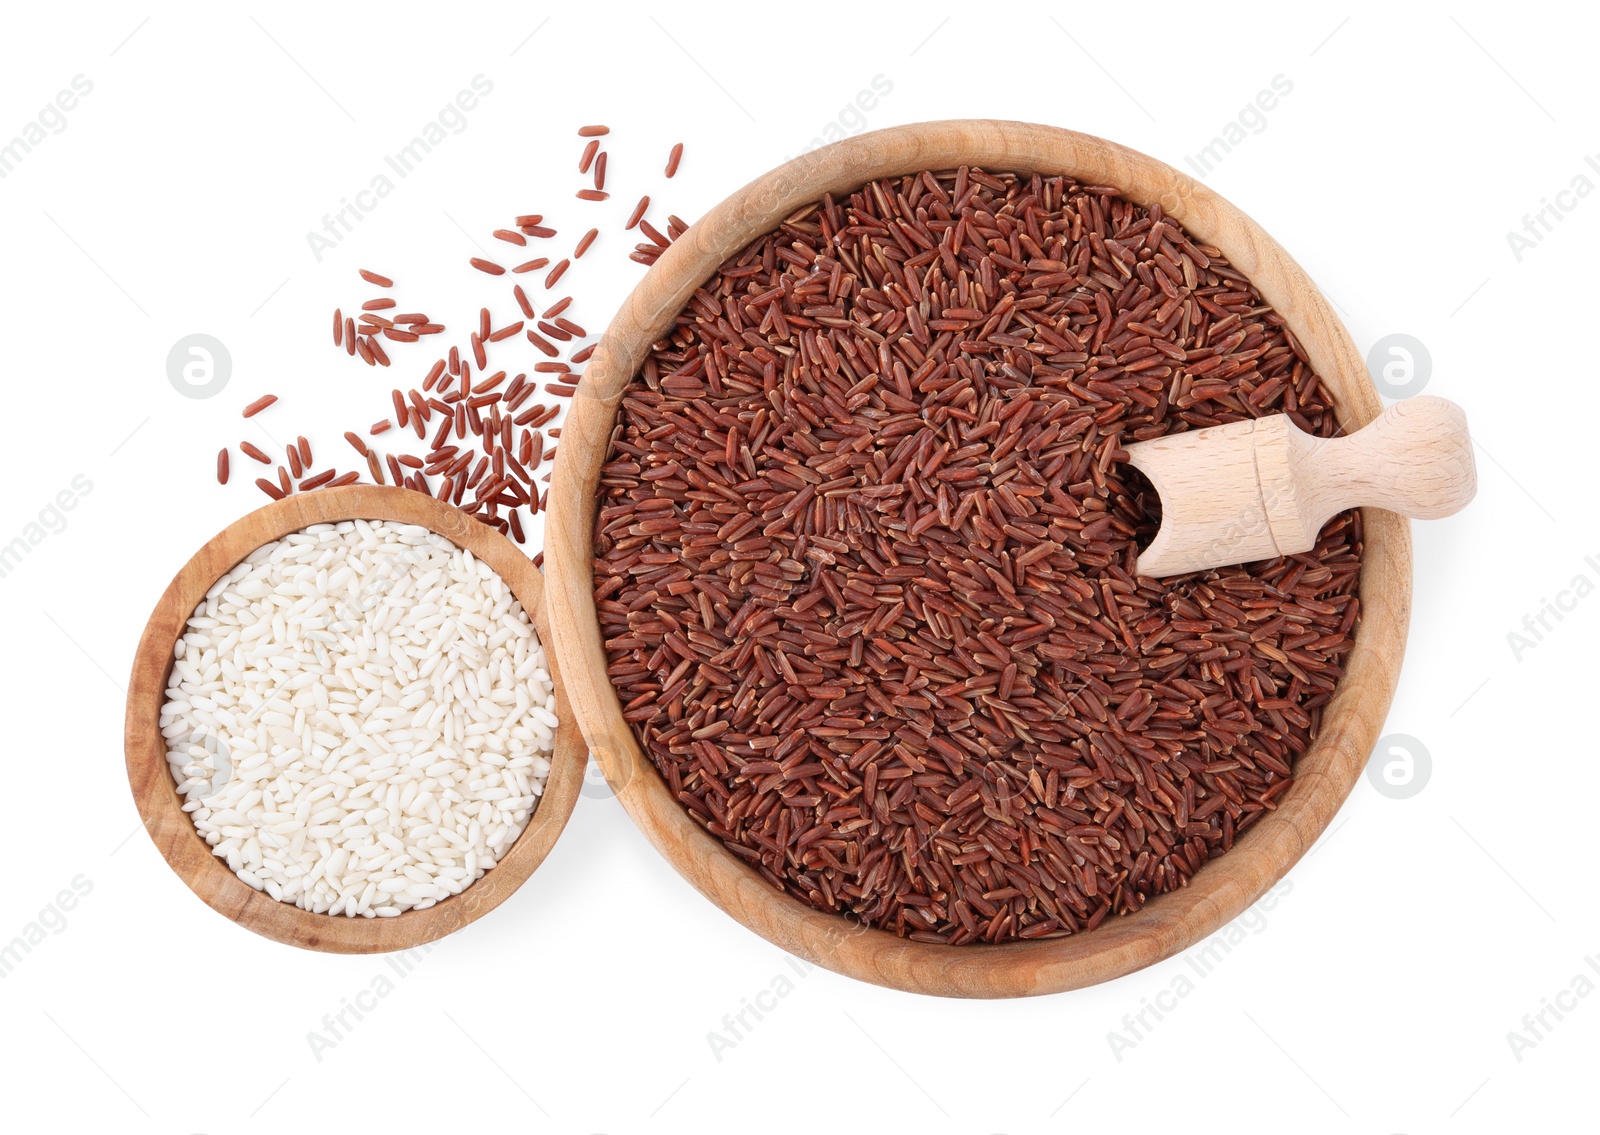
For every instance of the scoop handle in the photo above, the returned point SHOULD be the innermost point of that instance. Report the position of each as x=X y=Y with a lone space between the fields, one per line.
x=1415 y=459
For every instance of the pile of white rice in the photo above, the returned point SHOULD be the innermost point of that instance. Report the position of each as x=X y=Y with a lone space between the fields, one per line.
x=360 y=718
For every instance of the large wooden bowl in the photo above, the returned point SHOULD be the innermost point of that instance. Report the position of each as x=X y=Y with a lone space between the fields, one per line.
x=156 y=795
x=1169 y=923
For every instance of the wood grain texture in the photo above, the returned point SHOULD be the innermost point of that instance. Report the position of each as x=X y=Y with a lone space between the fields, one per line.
x=1169 y=923
x=1415 y=459
x=1256 y=489
x=1212 y=505
x=156 y=795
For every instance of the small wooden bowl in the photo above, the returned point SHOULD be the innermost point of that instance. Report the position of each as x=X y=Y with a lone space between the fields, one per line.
x=1169 y=923
x=156 y=795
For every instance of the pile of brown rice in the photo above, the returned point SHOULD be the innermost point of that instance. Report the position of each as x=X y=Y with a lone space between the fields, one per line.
x=865 y=559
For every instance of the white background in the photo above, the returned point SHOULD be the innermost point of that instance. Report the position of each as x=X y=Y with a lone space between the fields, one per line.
x=1377 y=995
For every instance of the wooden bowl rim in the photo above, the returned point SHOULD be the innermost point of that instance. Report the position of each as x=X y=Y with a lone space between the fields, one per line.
x=1168 y=924
x=156 y=796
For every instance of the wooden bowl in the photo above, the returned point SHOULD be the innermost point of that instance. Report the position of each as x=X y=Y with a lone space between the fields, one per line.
x=1222 y=889
x=156 y=795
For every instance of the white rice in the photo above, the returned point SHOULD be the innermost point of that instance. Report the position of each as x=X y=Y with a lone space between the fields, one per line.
x=360 y=718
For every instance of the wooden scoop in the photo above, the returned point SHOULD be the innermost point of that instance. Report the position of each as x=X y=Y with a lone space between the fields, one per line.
x=1253 y=490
